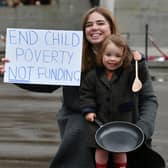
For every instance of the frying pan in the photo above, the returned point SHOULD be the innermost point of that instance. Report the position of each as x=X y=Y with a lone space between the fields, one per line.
x=119 y=136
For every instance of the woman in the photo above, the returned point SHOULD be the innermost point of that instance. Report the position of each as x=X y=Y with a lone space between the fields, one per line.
x=98 y=24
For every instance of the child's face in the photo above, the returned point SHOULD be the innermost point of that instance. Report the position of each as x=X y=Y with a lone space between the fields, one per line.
x=112 y=57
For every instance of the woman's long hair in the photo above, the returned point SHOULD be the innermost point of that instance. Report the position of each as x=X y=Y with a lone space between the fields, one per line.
x=88 y=57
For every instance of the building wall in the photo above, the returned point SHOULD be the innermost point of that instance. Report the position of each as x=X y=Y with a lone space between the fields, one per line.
x=62 y=14
x=133 y=15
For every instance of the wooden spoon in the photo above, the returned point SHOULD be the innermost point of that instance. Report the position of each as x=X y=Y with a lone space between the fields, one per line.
x=137 y=84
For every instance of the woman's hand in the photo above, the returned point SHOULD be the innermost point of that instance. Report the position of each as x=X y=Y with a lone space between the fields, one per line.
x=2 y=66
x=90 y=116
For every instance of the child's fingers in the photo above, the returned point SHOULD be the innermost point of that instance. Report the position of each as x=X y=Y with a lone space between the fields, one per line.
x=137 y=55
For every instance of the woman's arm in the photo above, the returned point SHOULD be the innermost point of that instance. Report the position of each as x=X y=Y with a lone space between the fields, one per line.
x=38 y=88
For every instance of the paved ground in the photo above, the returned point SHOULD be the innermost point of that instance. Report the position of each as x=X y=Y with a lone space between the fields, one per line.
x=29 y=135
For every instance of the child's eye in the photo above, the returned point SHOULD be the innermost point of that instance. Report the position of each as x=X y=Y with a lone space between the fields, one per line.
x=118 y=55
x=108 y=54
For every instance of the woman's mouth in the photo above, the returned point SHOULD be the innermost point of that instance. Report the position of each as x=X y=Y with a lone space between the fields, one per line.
x=95 y=35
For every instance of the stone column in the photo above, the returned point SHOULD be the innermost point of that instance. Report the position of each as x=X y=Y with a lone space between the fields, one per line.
x=110 y=4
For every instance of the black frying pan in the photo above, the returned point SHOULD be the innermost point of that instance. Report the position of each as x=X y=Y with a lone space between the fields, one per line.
x=119 y=136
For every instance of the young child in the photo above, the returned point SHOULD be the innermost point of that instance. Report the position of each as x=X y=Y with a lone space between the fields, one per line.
x=106 y=94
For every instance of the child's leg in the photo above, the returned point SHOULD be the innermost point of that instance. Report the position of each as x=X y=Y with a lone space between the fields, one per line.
x=101 y=157
x=120 y=160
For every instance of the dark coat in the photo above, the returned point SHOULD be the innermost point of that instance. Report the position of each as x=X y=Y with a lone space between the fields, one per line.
x=72 y=152
x=114 y=100
x=145 y=157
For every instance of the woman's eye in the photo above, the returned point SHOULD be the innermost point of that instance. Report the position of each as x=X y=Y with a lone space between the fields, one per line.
x=100 y=23
x=88 y=24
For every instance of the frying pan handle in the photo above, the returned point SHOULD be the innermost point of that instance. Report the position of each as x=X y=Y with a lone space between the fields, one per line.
x=98 y=122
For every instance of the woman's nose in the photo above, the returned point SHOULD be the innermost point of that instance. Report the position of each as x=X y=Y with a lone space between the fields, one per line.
x=95 y=26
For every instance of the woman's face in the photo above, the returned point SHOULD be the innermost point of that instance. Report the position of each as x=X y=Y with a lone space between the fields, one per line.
x=97 y=29
x=112 y=57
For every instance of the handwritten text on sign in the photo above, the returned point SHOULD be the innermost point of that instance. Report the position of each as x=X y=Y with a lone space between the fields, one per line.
x=43 y=56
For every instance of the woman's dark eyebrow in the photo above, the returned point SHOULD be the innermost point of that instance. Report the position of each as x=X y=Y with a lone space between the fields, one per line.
x=96 y=21
x=100 y=20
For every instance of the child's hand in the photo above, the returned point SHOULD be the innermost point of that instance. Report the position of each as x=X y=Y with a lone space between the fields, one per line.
x=137 y=56
x=90 y=116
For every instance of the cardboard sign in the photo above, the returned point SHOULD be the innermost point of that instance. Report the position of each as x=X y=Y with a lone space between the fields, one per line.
x=43 y=56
